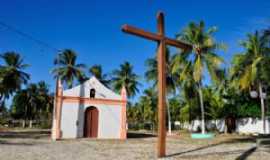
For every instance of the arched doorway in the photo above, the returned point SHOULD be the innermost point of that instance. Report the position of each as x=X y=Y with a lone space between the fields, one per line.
x=230 y=122
x=91 y=122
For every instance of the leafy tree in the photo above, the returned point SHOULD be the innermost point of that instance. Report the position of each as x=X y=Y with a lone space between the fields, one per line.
x=33 y=103
x=189 y=102
x=250 y=69
x=133 y=113
x=127 y=78
x=144 y=112
x=202 y=57
x=148 y=103
x=67 y=68
x=45 y=101
x=96 y=70
x=188 y=93
x=12 y=75
x=4 y=115
x=175 y=106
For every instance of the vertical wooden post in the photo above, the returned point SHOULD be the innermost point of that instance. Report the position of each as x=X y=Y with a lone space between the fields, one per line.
x=161 y=89
x=56 y=128
x=123 y=134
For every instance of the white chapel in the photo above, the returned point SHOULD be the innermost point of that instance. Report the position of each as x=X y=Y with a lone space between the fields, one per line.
x=89 y=110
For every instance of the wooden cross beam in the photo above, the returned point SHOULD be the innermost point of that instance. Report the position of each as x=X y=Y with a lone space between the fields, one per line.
x=162 y=40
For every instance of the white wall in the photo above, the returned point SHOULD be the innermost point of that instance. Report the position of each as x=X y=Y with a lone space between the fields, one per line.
x=244 y=125
x=251 y=125
x=68 y=121
x=109 y=121
x=195 y=124
x=72 y=122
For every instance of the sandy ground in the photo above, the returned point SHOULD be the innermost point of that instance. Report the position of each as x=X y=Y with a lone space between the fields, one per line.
x=36 y=145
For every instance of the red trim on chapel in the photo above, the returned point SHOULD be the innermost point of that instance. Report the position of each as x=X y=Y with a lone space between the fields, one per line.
x=84 y=100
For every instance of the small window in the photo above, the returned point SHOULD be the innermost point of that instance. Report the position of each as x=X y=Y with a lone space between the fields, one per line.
x=92 y=93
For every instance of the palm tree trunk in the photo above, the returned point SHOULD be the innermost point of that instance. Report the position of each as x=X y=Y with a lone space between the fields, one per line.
x=30 y=123
x=225 y=127
x=202 y=109
x=1 y=96
x=169 y=117
x=23 y=123
x=262 y=106
x=2 y=101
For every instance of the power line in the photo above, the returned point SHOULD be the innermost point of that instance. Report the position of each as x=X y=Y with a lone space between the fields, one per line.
x=28 y=36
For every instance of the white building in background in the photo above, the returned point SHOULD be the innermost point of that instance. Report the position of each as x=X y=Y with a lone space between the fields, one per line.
x=89 y=110
x=242 y=125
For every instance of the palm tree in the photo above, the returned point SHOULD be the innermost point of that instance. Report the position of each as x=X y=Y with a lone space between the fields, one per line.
x=67 y=69
x=45 y=100
x=171 y=78
x=148 y=104
x=134 y=114
x=188 y=94
x=127 y=78
x=19 y=106
x=249 y=69
x=32 y=103
x=96 y=70
x=201 y=57
x=12 y=74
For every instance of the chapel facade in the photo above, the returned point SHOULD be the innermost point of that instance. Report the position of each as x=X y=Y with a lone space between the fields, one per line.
x=89 y=110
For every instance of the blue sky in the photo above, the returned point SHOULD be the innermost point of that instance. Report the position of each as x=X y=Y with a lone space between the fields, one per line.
x=92 y=28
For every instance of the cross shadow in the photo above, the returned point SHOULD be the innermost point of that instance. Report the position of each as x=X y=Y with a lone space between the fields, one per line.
x=193 y=150
x=193 y=156
x=246 y=154
x=236 y=140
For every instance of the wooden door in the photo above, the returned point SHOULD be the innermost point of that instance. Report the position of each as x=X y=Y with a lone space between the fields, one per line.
x=231 y=124
x=91 y=122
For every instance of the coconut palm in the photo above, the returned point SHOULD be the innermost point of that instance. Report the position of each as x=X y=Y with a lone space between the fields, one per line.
x=67 y=68
x=127 y=78
x=133 y=113
x=148 y=105
x=188 y=94
x=12 y=74
x=19 y=107
x=201 y=57
x=249 y=69
x=33 y=102
x=96 y=70
x=25 y=103
x=45 y=100
x=171 y=78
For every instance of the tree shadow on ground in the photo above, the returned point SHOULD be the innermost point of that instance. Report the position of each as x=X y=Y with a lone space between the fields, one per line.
x=134 y=135
x=45 y=134
x=15 y=143
x=231 y=141
x=247 y=153
x=25 y=134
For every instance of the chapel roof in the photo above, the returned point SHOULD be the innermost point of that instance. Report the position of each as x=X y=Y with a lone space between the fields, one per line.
x=83 y=90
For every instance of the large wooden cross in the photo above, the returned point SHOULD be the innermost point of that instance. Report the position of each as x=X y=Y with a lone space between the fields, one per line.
x=162 y=41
